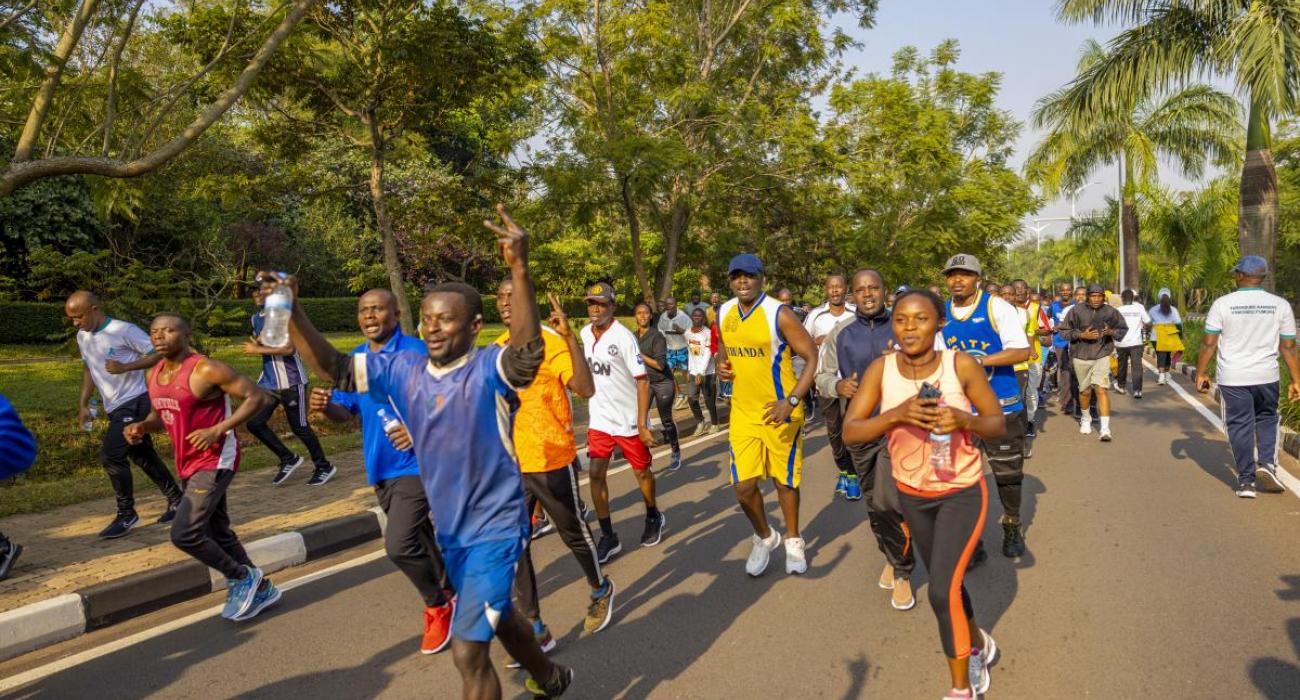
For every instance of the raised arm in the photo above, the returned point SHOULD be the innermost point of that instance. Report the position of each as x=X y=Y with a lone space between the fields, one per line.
x=324 y=359
x=522 y=358
x=581 y=382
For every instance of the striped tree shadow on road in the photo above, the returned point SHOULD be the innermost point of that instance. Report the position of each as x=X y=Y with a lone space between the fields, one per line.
x=1279 y=679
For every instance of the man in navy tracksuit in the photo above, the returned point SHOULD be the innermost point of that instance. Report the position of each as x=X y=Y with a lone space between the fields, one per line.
x=848 y=350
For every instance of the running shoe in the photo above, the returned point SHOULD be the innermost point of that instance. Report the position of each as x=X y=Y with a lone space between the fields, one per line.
x=1013 y=541
x=978 y=670
x=796 y=562
x=887 y=578
x=1105 y=435
x=842 y=483
x=680 y=403
x=1085 y=426
x=990 y=649
x=962 y=694
x=1162 y=378
x=601 y=608
x=702 y=429
x=1266 y=476
x=1246 y=489
x=267 y=595
x=654 y=529
x=555 y=687
x=852 y=488
x=761 y=552
x=607 y=548
x=545 y=641
x=674 y=463
x=11 y=553
x=542 y=526
x=322 y=475
x=1119 y=389
x=169 y=514
x=286 y=468
x=1137 y=394
x=121 y=525
x=902 y=598
x=240 y=593
x=437 y=627
x=714 y=428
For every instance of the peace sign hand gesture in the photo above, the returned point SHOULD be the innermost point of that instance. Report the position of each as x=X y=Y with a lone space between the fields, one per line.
x=512 y=238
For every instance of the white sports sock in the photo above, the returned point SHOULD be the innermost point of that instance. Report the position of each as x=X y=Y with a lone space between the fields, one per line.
x=1105 y=424
x=1085 y=419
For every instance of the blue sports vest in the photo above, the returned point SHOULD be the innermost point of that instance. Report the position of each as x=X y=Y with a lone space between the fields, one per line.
x=976 y=336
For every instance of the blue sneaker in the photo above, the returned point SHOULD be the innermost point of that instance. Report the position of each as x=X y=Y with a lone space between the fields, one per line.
x=241 y=592
x=852 y=488
x=842 y=483
x=267 y=595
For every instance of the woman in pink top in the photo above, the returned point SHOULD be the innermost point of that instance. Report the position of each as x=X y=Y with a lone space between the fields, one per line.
x=944 y=507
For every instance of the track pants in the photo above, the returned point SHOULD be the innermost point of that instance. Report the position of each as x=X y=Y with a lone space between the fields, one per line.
x=1065 y=381
x=202 y=525
x=1006 y=457
x=663 y=393
x=1035 y=380
x=294 y=401
x=888 y=527
x=557 y=491
x=1250 y=418
x=1130 y=361
x=707 y=387
x=833 y=411
x=409 y=538
x=116 y=454
x=945 y=530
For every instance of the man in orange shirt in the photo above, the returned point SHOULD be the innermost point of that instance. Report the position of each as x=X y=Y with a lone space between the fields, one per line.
x=544 y=445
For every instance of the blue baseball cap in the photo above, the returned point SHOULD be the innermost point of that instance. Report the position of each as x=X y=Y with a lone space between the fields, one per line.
x=1252 y=265
x=747 y=263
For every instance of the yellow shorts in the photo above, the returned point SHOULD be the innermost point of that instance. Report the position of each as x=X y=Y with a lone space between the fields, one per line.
x=759 y=451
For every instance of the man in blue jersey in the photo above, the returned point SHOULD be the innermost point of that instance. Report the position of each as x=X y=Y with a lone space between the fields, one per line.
x=457 y=402
x=989 y=329
x=285 y=378
x=17 y=452
x=391 y=468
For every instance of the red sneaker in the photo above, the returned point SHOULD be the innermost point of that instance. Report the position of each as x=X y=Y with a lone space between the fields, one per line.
x=437 y=628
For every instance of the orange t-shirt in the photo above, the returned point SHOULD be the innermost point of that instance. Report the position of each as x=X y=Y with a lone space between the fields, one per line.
x=544 y=423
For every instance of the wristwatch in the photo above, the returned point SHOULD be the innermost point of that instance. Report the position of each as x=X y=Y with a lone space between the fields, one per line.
x=793 y=400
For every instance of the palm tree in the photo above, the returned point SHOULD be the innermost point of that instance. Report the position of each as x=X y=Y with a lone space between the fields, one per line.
x=1092 y=251
x=1187 y=126
x=1193 y=232
x=1254 y=42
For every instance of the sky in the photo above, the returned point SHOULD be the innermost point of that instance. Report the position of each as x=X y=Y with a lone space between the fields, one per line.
x=1021 y=39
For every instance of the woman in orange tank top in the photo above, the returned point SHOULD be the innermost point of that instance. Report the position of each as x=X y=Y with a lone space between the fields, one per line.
x=943 y=503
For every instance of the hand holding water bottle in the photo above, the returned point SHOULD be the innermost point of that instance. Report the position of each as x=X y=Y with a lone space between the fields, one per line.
x=395 y=431
x=88 y=416
x=278 y=307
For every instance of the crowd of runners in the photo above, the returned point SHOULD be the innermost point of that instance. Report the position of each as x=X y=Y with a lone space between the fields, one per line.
x=472 y=453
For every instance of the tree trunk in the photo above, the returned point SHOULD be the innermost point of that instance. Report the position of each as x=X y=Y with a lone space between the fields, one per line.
x=1257 y=217
x=392 y=261
x=1131 y=270
x=634 y=231
x=681 y=218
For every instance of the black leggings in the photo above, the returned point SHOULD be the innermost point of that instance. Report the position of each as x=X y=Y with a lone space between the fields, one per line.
x=294 y=401
x=410 y=540
x=944 y=531
x=663 y=393
x=557 y=491
x=202 y=525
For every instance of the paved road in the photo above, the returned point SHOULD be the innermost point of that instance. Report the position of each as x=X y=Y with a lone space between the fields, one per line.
x=1147 y=579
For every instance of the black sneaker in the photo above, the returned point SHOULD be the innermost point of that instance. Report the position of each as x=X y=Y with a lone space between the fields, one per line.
x=1032 y=432
x=285 y=470
x=322 y=475
x=1013 y=541
x=1246 y=489
x=121 y=525
x=979 y=556
x=553 y=688
x=7 y=559
x=1137 y=393
x=169 y=514
x=654 y=530
x=607 y=548
x=1266 y=476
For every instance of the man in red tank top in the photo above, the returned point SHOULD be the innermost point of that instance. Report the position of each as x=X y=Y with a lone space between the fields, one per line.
x=190 y=395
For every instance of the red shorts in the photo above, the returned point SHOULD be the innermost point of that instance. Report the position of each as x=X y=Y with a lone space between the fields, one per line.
x=601 y=446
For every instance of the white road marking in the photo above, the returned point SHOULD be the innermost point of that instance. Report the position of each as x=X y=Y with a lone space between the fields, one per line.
x=1290 y=482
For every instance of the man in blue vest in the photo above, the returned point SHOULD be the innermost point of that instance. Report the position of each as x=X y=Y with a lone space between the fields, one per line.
x=989 y=329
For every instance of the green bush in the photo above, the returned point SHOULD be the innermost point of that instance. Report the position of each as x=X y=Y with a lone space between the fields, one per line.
x=32 y=322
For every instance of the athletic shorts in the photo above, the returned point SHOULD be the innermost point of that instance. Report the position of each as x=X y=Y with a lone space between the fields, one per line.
x=483 y=575
x=759 y=451
x=601 y=446
x=1093 y=372
x=677 y=359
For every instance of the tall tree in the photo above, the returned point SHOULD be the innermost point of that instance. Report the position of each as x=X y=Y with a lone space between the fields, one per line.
x=1194 y=233
x=1187 y=126
x=1255 y=43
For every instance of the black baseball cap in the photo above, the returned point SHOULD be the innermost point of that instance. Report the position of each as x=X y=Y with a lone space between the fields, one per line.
x=601 y=292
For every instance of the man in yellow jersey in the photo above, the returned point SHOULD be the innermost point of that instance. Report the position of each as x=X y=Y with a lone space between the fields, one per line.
x=1037 y=328
x=758 y=336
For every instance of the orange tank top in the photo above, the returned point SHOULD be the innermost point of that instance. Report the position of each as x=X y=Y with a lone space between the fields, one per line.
x=909 y=446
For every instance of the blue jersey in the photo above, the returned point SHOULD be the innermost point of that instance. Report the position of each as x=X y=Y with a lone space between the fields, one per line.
x=976 y=335
x=1058 y=315
x=17 y=445
x=278 y=371
x=461 y=419
x=383 y=461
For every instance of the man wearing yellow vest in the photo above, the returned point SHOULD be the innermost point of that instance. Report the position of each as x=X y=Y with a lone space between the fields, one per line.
x=1038 y=328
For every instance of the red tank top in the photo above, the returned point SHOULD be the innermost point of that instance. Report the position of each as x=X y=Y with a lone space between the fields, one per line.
x=183 y=413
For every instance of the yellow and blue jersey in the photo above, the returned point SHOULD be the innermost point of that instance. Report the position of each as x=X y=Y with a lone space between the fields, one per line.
x=760 y=358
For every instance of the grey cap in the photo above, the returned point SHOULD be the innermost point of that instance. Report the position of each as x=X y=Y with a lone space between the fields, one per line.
x=1252 y=265
x=962 y=261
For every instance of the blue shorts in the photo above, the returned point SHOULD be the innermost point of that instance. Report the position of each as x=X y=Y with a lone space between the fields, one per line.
x=677 y=359
x=483 y=575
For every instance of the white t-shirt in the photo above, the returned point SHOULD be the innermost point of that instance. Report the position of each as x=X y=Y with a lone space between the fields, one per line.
x=821 y=321
x=121 y=341
x=1158 y=316
x=680 y=322
x=616 y=364
x=699 y=360
x=1249 y=322
x=1135 y=317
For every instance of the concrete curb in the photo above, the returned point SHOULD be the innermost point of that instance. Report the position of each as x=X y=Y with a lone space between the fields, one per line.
x=41 y=624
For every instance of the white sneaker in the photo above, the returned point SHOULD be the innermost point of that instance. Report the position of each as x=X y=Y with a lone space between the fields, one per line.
x=1161 y=377
x=795 y=560
x=1085 y=425
x=1105 y=436
x=762 y=552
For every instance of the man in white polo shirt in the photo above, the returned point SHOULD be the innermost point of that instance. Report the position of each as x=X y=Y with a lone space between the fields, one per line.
x=1245 y=331
x=115 y=354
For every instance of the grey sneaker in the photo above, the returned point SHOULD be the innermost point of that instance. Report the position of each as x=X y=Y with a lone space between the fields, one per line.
x=1266 y=476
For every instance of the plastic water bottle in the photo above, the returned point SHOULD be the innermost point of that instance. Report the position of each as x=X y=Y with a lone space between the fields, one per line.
x=390 y=421
x=941 y=455
x=94 y=413
x=278 y=306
